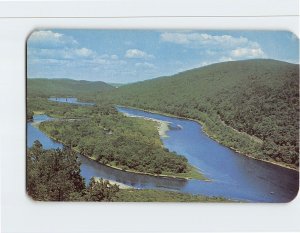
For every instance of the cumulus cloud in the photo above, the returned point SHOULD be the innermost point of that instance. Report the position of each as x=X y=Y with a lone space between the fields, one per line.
x=203 y=39
x=52 y=48
x=247 y=52
x=226 y=47
x=136 y=53
x=84 y=52
x=63 y=53
x=50 y=39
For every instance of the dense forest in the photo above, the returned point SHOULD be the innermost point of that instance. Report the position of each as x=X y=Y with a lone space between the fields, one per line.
x=102 y=134
x=65 y=110
x=251 y=106
x=54 y=175
x=83 y=90
x=150 y=195
x=115 y=140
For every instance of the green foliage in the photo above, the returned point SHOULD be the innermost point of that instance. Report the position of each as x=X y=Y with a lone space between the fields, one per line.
x=83 y=90
x=252 y=106
x=119 y=141
x=102 y=134
x=66 y=110
x=101 y=190
x=54 y=175
x=134 y=195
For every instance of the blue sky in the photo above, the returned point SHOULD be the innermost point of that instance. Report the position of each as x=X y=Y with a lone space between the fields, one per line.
x=124 y=56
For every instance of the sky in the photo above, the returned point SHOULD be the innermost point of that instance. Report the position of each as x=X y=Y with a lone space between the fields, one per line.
x=126 y=56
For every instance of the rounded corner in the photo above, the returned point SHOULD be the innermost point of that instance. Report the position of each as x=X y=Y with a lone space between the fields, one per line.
x=30 y=34
x=293 y=34
x=31 y=198
x=294 y=197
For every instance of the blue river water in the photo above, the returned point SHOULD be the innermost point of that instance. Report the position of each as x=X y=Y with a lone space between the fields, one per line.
x=232 y=175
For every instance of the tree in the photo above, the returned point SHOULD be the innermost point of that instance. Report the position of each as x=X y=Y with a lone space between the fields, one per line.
x=53 y=174
x=101 y=190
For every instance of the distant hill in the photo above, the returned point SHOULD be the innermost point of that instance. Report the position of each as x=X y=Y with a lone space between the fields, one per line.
x=117 y=85
x=65 y=87
x=258 y=98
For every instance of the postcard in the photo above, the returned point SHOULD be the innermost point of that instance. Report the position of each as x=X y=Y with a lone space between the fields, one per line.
x=162 y=115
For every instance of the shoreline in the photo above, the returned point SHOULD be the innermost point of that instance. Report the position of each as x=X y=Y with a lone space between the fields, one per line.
x=204 y=129
x=163 y=126
x=36 y=124
x=121 y=185
x=145 y=173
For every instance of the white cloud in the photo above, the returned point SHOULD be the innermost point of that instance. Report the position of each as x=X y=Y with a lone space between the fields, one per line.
x=136 y=53
x=47 y=38
x=48 y=61
x=145 y=65
x=84 y=52
x=45 y=35
x=114 y=57
x=203 y=39
x=225 y=46
x=100 y=61
x=51 y=48
x=63 y=53
x=222 y=59
x=247 y=53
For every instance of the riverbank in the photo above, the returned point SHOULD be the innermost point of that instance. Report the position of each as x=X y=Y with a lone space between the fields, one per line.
x=215 y=137
x=149 y=195
x=121 y=185
x=192 y=173
x=163 y=126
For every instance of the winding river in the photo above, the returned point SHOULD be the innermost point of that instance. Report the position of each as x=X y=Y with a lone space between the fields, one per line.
x=232 y=175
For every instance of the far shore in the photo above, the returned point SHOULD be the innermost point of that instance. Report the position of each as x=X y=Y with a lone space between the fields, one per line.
x=214 y=137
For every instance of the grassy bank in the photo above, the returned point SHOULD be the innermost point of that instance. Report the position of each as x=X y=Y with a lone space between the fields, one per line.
x=147 y=195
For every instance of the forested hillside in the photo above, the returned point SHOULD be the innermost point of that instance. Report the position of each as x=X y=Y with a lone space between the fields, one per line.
x=83 y=90
x=258 y=98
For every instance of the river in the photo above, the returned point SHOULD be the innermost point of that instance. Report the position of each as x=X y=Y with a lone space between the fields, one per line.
x=232 y=175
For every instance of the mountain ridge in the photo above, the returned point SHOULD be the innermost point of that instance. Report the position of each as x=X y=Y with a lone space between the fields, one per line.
x=258 y=97
x=83 y=89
